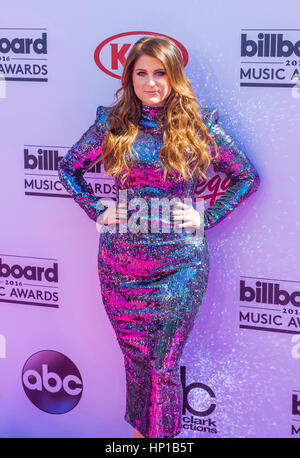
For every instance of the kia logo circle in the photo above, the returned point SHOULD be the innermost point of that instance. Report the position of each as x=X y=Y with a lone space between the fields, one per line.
x=111 y=52
x=52 y=382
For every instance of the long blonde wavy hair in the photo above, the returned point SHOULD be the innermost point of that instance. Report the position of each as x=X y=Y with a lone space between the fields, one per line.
x=186 y=141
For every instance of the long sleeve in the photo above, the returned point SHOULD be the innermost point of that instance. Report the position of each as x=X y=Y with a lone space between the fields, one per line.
x=79 y=158
x=235 y=164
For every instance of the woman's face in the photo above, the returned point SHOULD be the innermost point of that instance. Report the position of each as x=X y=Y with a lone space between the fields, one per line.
x=150 y=81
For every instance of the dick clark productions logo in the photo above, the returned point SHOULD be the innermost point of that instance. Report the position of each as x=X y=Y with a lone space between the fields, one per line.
x=52 y=382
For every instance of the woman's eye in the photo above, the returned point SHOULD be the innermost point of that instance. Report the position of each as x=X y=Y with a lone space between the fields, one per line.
x=158 y=73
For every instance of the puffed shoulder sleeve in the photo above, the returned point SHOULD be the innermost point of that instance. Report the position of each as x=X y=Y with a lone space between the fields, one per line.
x=235 y=164
x=79 y=158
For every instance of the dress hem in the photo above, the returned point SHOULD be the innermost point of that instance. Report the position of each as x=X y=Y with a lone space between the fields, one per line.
x=143 y=433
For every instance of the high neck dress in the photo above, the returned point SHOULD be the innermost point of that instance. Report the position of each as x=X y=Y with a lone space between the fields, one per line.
x=153 y=280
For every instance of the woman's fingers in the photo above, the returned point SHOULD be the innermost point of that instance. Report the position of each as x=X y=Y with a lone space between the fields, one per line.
x=188 y=216
x=122 y=209
x=178 y=214
x=114 y=215
x=121 y=213
x=186 y=224
x=182 y=205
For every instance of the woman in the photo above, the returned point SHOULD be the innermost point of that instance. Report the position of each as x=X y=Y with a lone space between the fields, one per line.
x=157 y=143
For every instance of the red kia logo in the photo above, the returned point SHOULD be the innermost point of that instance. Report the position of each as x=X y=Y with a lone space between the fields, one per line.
x=110 y=55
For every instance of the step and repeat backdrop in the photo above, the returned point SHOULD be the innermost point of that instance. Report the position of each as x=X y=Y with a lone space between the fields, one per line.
x=62 y=372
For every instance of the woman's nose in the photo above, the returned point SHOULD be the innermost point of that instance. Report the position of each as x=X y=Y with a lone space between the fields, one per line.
x=151 y=81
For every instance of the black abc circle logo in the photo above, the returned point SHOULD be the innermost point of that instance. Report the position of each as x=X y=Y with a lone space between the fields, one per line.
x=52 y=382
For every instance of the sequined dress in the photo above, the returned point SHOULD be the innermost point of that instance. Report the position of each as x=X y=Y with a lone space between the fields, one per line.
x=153 y=283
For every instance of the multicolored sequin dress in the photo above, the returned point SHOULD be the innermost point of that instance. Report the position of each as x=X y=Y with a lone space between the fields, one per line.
x=153 y=283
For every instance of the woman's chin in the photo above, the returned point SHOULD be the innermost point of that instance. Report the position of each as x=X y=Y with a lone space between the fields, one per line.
x=152 y=101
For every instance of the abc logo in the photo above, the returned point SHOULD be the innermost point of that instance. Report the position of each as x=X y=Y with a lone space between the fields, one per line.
x=52 y=382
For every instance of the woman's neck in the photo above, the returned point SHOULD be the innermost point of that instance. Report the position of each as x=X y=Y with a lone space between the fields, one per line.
x=150 y=113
